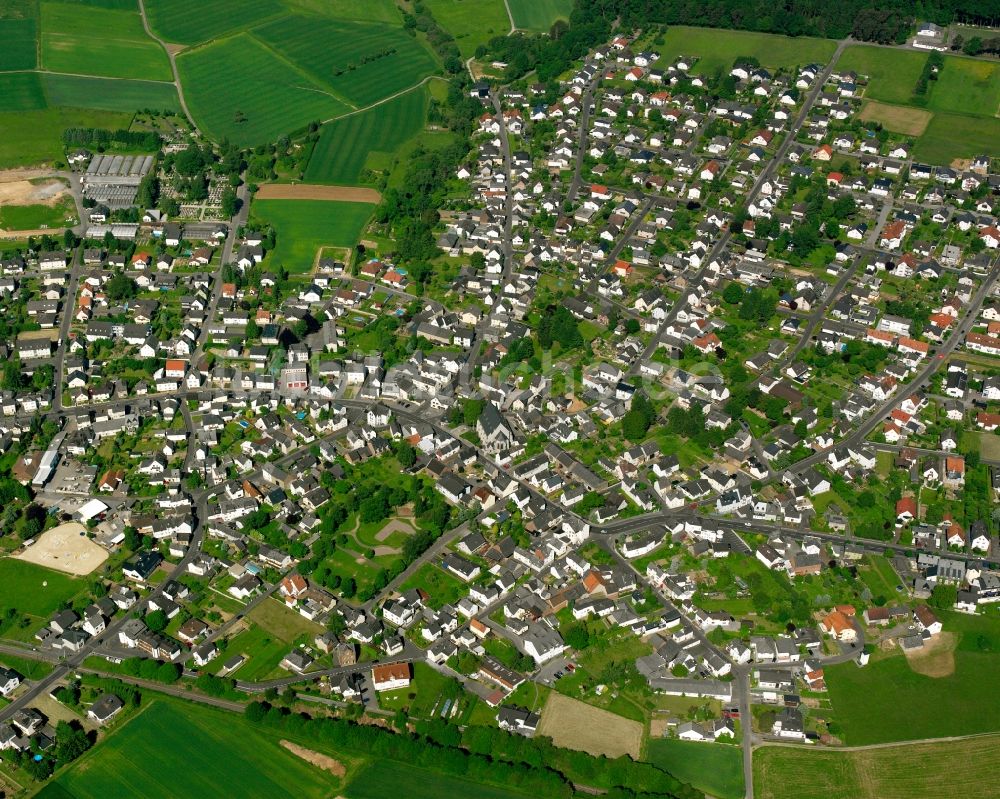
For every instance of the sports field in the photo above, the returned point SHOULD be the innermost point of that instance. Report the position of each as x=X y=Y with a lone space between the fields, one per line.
x=888 y=701
x=238 y=89
x=19 y=50
x=345 y=145
x=173 y=749
x=948 y=768
x=107 y=94
x=33 y=589
x=538 y=15
x=717 y=49
x=196 y=21
x=22 y=91
x=471 y=22
x=303 y=226
x=370 y=62
x=714 y=768
x=37 y=216
x=98 y=41
x=383 y=779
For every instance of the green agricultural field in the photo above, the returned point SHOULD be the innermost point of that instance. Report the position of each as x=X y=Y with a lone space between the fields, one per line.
x=33 y=589
x=34 y=217
x=892 y=74
x=898 y=772
x=197 y=21
x=190 y=750
x=99 y=41
x=34 y=137
x=240 y=90
x=378 y=781
x=950 y=136
x=371 y=61
x=967 y=86
x=714 y=768
x=303 y=226
x=538 y=15
x=20 y=44
x=717 y=49
x=887 y=701
x=368 y=11
x=347 y=145
x=471 y=22
x=22 y=91
x=108 y=94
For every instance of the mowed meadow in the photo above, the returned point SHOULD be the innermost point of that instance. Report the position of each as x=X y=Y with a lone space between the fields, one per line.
x=89 y=40
x=538 y=15
x=963 y=103
x=240 y=90
x=172 y=749
x=346 y=146
x=269 y=68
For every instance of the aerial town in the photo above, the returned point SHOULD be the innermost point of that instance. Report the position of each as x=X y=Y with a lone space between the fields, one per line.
x=673 y=436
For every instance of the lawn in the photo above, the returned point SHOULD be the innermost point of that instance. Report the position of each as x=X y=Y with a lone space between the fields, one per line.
x=950 y=136
x=714 y=768
x=378 y=781
x=471 y=22
x=371 y=61
x=347 y=146
x=263 y=652
x=717 y=49
x=99 y=41
x=891 y=773
x=195 y=21
x=303 y=226
x=22 y=91
x=31 y=669
x=34 y=589
x=441 y=586
x=967 y=86
x=240 y=90
x=20 y=48
x=282 y=622
x=892 y=74
x=106 y=94
x=190 y=750
x=34 y=217
x=538 y=15
x=887 y=701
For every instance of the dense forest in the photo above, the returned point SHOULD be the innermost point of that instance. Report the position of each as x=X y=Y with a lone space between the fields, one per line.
x=885 y=21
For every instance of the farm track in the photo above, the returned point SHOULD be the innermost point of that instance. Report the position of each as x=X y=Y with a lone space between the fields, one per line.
x=171 y=56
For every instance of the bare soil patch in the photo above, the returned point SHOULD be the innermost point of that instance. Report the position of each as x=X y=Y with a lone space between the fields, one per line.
x=311 y=191
x=937 y=658
x=317 y=759
x=961 y=163
x=16 y=189
x=577 y=725
x=65 y=549
x=897 y=118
